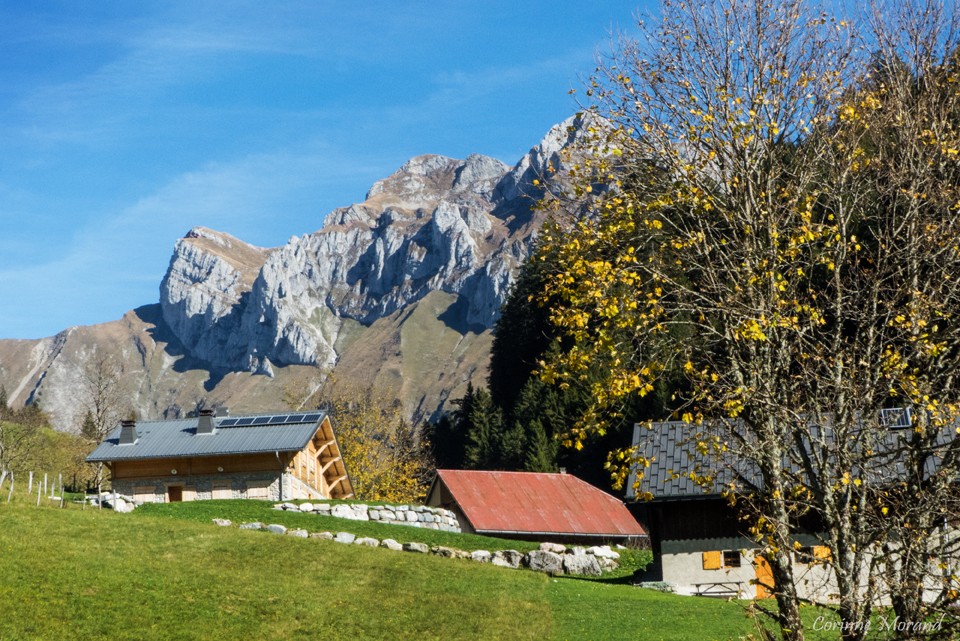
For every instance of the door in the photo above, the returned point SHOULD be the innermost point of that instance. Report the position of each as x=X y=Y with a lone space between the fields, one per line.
x=174 y=494
x=765 y=582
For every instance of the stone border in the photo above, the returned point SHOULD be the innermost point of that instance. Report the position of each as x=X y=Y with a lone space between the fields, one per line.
x=552 y=558
x=433 y=518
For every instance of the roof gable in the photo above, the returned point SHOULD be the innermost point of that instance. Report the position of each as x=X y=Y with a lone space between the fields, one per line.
x=537 y=503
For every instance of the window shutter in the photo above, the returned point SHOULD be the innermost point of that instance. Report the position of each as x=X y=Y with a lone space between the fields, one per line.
x=712 y=560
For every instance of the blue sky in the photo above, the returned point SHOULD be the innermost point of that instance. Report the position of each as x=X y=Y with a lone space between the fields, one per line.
x=124 y=124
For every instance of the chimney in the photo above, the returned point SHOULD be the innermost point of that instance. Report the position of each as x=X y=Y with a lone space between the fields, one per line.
x=205 y=425
x=128 y=432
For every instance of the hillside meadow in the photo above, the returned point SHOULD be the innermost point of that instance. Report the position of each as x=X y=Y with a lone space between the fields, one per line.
x=165 y=572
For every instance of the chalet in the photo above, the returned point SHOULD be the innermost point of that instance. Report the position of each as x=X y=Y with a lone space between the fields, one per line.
x=699 y=543
x=272 y=456
x=533 y=506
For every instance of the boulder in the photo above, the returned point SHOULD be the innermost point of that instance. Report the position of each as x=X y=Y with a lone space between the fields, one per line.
x=603 y=551
x=277 y=528
x=411 y=517
x=367 y=541
x=387 y=515
x=299 y=533
x=256 y=525
x=325 y=536
x=390 y=544
x=556 y=548
x=306 y=507
x=481 y=556
x=507 y=558
x=223 y=522
x=357 y=512
x=416 y=547
x=582 y=564
x=321 y=507
x=345 y=537
x=121 y=505
x=450 y=553
x=543 y=561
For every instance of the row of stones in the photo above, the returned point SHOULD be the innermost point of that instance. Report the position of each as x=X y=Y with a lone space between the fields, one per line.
x=552 y=558
x=433 y=518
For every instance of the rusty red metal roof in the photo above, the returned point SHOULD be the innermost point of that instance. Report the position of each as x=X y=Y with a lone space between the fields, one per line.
x=537 y=503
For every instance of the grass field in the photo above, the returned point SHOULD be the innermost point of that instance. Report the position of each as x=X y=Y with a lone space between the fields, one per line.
x=165 y=572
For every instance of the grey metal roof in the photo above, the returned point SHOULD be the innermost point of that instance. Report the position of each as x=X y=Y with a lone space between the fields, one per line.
x=179 y=438
x=670 y=448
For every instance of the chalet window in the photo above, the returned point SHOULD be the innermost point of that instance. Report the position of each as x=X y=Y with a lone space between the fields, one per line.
x=715 y=560
x=809 y=555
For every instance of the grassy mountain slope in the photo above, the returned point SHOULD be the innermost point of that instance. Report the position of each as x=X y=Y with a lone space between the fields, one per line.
x=157 y=574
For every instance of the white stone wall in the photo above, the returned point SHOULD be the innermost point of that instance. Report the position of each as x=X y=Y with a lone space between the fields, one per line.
x=200 y=488
x=682 y=563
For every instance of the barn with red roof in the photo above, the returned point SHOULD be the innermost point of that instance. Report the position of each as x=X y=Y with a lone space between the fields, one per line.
x=533 y=506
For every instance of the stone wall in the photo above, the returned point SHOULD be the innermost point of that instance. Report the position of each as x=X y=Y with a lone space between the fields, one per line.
x=263 y=485
x=433 y=518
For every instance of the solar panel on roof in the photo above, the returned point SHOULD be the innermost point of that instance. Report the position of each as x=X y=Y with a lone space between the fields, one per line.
x=310 y=418
x=295 y=418
x=228 y=422
x=245 y=421
x=276 y=420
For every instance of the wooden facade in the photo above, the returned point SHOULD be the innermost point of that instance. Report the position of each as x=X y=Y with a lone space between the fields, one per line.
x=316 y=471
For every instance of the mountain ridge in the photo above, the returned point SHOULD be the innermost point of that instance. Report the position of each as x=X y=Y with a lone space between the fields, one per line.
x=420 y=267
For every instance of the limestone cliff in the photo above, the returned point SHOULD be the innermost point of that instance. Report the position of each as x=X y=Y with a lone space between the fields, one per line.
x=400 y=290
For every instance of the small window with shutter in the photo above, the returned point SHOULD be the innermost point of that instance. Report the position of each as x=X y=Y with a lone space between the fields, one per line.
x=712 y=560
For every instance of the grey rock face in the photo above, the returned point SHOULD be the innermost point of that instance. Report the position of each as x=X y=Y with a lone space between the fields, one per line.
x=276 y=528
x=436 y=224
x=256 y=525
x=367 y=541
x=556 y=548
x=299 y=533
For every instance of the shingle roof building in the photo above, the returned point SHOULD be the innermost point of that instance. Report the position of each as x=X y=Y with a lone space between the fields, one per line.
x=264 y=456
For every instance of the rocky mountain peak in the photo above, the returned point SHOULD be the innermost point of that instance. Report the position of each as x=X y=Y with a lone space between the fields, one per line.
x=436 y=244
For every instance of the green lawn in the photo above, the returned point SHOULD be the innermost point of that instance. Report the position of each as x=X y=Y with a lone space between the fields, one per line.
x=167 y=573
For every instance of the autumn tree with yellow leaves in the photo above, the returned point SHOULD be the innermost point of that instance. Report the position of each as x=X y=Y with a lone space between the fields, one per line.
x=779 y=224
x=388 y=459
